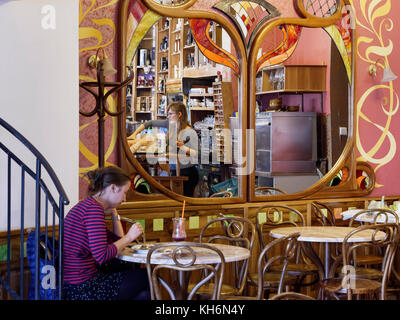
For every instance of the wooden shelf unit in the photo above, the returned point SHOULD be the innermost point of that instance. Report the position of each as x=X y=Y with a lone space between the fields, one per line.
x=223 y=109
x=294 y=78
x=143 y=84
x=175 y=55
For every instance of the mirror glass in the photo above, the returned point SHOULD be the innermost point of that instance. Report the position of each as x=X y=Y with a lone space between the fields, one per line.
x=303 y=102
x=169 y=66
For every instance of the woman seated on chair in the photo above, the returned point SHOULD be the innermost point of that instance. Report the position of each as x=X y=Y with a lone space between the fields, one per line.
x=90 y=248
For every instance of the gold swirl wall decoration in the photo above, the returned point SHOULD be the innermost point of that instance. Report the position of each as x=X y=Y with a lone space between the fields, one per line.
x=372 y=21
x=103 y=31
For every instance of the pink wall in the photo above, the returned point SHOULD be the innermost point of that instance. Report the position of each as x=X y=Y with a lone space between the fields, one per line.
x=314 y=48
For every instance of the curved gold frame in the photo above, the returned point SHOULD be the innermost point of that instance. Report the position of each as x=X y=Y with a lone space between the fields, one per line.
x=247 y=95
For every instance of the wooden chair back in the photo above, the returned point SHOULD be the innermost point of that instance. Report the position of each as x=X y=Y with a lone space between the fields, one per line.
x=266 y=260
x=184 y=258
x=318 y=210
x=237 y=231
x=388 y=244
x=277 y=216
x=379 y=215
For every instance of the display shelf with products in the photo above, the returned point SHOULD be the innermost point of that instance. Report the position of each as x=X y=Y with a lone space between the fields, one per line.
x=223 y=105
x=285 y=80
x=167 y=54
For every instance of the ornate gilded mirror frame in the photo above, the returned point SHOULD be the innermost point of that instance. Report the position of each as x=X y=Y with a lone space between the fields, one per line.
x=346 y=166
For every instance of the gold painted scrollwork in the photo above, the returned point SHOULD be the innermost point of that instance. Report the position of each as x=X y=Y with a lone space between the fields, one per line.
x=373 y=46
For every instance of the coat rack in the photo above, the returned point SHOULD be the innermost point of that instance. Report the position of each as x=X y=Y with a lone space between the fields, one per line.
x=104 y=69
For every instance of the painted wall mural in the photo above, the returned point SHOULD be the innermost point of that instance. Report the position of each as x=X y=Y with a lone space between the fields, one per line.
x=97 y=29
x=377 y=102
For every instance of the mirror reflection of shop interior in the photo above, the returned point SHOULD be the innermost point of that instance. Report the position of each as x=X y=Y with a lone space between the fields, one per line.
x=170 y=67
x=298 y=110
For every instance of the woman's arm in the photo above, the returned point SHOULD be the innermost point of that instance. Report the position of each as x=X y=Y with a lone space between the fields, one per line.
x=117 y=226
x=134 y=232
x=134 y=145
x=137 y=131
x=151 y=123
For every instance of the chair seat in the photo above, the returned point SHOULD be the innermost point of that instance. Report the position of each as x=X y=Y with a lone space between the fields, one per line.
x=369 y=259
x=238 y=298
x=368 y=273
x=271 y=280
x=361 y=286
x=297 y=269
x=365 y=259
x=207 y=290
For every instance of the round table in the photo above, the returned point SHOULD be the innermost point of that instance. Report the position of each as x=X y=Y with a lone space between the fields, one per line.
x=326 y=235
x=367 y=217
x=203 y=256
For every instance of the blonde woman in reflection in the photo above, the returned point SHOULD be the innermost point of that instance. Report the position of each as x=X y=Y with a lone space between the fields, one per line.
x=181 y=133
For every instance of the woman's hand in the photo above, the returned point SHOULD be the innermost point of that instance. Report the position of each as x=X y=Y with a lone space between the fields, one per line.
x=180 y=144
x=135 y=231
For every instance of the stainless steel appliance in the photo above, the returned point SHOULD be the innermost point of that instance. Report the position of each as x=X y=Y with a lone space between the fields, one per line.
x=286 y=145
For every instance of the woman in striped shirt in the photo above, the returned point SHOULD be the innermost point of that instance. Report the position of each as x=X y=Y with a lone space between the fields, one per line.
x=89 y=245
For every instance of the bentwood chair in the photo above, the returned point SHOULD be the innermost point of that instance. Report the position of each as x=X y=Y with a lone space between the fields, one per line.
x=323 y=214
x=280 y=251
x=278 y=216
x=236 y=231
x=378 y=215
x=384 y=237
x=184 y=258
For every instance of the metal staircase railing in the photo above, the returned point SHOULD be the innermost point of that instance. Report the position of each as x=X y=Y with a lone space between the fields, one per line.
x=38 y=182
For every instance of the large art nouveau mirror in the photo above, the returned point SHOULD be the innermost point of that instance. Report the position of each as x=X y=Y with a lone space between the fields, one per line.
x=268 y=91
x=301 y=106
x=194 y=62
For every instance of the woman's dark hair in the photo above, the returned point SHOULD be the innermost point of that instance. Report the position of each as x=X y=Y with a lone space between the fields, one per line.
x=101 y=178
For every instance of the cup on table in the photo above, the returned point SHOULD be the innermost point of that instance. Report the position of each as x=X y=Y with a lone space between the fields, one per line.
x=179 y=232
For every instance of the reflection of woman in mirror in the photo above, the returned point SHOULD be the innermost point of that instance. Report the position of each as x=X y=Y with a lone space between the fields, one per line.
x=180 y=133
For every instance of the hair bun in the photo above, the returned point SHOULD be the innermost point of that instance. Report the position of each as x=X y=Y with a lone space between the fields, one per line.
x=92 y=175
x=95 y=179
x=100 y=178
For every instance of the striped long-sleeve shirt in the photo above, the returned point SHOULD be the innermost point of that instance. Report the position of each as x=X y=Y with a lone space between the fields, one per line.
x=87 y=241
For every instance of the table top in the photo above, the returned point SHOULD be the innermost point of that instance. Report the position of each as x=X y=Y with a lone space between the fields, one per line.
x=231 y=254
x=366 y=217
x=325 y=234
